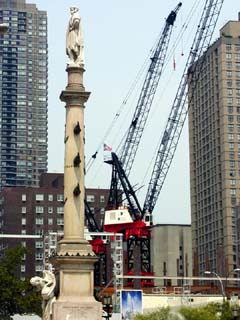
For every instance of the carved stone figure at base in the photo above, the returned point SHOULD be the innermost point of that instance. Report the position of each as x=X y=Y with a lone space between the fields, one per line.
x=46 y=285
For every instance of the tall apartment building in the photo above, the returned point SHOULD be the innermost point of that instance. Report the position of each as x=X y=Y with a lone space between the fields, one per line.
x=214 y=129
x=23 y=94
x=38 y=211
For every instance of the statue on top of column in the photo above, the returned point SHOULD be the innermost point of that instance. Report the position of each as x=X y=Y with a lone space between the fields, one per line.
x=74 y=38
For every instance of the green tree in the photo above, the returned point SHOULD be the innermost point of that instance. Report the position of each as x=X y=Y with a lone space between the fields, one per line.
x=160 y=314
x=211 y=311
x=16 y=296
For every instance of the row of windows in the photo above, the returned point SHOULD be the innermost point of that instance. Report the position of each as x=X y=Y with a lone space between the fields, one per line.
x=40 y=197
x=231 y=55
x=232 y=108
x=91 y=198
x=230 y=46
x=40 y=209
x=40 y=221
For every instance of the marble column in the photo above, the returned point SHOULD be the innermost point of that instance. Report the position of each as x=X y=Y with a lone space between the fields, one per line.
x=75 y=258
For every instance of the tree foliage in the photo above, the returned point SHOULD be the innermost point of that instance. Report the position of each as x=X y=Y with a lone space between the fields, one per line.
x=16 y=296
x=161 y=314
x=211 y=311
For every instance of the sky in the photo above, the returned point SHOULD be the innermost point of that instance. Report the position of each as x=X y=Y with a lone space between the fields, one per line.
x=118 y=37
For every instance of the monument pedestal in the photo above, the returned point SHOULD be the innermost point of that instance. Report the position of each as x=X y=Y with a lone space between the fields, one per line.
x=76 y=301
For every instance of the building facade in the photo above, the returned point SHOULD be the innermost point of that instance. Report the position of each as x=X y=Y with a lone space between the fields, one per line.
x=171 y=253
x=30 y=211
x=214 y=133
x=23 y=94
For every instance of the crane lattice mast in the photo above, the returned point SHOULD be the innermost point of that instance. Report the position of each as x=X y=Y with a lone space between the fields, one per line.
x=148 y=91
x=179 y=110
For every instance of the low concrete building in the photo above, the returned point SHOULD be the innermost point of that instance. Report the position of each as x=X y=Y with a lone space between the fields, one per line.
x=171 y=253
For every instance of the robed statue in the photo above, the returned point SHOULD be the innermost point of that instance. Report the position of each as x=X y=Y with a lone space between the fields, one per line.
x=74 y=38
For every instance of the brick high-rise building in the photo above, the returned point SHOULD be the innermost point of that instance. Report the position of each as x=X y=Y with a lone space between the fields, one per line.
x=214 y=128
x=23 y=94
x=38 y=211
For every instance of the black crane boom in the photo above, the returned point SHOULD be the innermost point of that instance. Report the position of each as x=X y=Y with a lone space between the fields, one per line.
x=157 y=60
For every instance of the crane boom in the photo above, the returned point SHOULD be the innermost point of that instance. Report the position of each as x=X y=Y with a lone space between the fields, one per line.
x=178 y=112
x=115 y=197
x=148 y=91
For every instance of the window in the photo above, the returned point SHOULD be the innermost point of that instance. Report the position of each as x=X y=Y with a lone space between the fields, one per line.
x=38 y=268
x=60 y=210
x=232 y=182
x=38 y=256
x=228 y=56
x=232 y=155
x=102 y=211
x=39 y=232
x=50 y=209
x=60 y=197
x=39 y=221
x=50 y=197
x=39 y=197
x=228 y=47
x=232 y=192
x=24 y=210
x=102 y=198
x=23 y=268
x=60 y=222
x=232 y=173
x=232 y=164
x=231 y=136
x=229 y=92
x=237 y=56
x=23 y=197
x=23 y=221
x=50 y=221
x=39 y=209
x=90 y=198
x=39 y=244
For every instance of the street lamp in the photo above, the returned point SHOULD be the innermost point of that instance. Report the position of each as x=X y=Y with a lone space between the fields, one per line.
x=232 y=271
x=220 y=280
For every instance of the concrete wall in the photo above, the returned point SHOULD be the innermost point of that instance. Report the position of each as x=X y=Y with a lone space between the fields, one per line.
x=171 y=252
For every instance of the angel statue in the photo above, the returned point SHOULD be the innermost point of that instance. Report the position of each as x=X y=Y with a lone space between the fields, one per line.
x=46 y=285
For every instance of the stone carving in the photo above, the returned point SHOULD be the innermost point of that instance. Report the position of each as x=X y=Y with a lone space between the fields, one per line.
x=74 y=38
x=46 y=285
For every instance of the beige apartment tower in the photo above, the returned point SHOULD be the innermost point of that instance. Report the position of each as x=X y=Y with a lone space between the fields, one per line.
x=214 y=133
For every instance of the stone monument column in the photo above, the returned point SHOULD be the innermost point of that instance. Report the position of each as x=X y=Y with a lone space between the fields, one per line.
x=74 y=258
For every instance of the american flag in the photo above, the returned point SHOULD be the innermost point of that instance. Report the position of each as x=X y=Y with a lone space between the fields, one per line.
x=106 y=147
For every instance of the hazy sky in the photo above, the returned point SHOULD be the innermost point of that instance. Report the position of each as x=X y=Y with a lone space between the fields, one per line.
x=118 y=37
